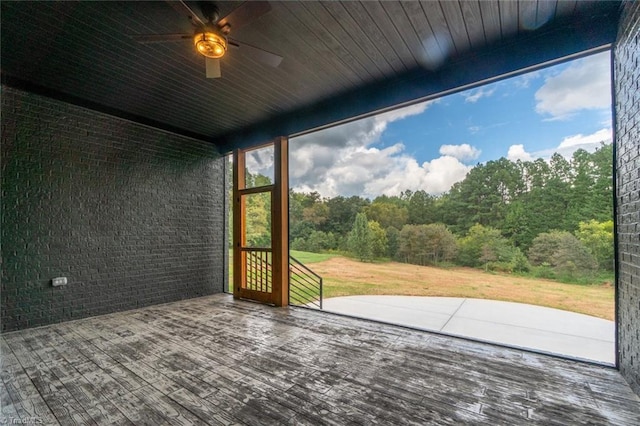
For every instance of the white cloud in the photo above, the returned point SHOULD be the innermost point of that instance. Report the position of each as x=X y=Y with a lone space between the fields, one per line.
x=517 y=152
x=362 y=132
x=261 y=161
x=586 y=142
x=400 y=113
x=566 y=147
x=369 y=172
x=464 y=152
x=434 y=177
x=478 y=129
x=342 y=159
x=473 y=96
x=524 y=81
x=585 y=84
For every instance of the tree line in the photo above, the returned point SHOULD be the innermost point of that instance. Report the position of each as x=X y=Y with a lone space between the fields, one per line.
x=552 y=216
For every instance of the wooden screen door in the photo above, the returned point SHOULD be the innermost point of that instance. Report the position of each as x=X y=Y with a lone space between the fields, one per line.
x=261 y=223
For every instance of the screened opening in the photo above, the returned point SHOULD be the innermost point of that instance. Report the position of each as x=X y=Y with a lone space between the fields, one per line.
x=486 y=213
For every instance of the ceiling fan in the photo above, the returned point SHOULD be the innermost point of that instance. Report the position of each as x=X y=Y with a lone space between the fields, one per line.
x=211 y=35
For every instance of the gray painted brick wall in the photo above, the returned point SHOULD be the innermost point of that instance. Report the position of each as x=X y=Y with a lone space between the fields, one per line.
x=627 y=106
x=132 y=216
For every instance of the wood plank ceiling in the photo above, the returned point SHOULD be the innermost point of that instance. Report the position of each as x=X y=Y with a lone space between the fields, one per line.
x=349 y=55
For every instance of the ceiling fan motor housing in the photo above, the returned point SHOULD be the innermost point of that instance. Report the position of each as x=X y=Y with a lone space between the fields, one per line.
x=210 y=36
x=210 y=42
x=209 y=11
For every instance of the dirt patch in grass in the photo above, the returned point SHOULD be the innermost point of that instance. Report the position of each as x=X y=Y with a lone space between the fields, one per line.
x=346 y=277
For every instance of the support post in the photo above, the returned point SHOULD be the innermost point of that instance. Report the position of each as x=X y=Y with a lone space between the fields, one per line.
x=280 y=218
x=238 y=220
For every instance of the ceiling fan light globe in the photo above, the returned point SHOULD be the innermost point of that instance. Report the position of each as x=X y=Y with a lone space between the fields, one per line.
x=210 y=44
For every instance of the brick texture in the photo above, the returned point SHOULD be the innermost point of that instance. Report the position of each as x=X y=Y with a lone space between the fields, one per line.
x=132 y=216
x=627 y=107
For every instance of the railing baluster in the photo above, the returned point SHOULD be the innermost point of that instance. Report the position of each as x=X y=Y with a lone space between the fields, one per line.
x=263 y=275
x=252 y=269
x=257 y=269
x=305 y=286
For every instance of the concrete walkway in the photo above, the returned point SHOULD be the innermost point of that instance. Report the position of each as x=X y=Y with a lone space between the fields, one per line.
x=513 y=324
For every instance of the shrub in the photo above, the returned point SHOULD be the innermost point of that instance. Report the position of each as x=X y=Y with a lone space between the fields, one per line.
x=564 y=253
x=299 y=244
x=393 y=241
x=543 y=271
x=598 y=238
x=360 y=238
x=484 y=245
x=519 y=262
x=426 y=244
x=378 y=239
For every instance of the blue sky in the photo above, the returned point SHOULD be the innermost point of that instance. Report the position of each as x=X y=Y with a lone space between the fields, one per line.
x=496 y=116
x=431 y=145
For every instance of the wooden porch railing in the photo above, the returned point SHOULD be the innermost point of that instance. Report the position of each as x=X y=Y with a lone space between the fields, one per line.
x=305 y=286
x=257 y=264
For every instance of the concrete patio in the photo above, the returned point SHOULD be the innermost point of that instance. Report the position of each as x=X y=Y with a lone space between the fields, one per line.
x=519 y=325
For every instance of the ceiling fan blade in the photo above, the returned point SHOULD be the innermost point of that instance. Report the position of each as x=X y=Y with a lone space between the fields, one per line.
x=183 y=8
x=160 y=38
x=244 y=14
x=213 y=67
x=258 y=54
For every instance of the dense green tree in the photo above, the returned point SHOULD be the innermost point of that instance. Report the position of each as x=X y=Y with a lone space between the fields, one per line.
x=420 y=208
x=598 y=238
x=360 y=238
x=579 y=204
x=300 y=225
x=591 y=195
x=535 y=174
x=440 y=245
x=298 y=244
x=519 y=200
x=300 y=229
x=602 y=189
x=316 y=242
x=563 y=252
x=342 y=213
x=483 y=195
x=410 y=247
x=256 y=180
x=517 y=224
x=393 y=241
x=386 y=213
x=484 y=244
x=378 y=238
x=316 y=214
x=426 y=244
x=544 y=206
x=543 y=209
x=258 y=219
x=398 y=201
x=560 y=168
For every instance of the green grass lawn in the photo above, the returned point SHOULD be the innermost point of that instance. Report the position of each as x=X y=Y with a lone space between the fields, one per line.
x=302 y=256
x=344 y=277
x=307 y=258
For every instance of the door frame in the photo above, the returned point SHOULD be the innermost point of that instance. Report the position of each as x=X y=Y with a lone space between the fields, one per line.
x=279 y=191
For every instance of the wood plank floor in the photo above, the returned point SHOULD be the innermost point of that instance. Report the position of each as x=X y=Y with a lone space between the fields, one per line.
x=216 y=361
